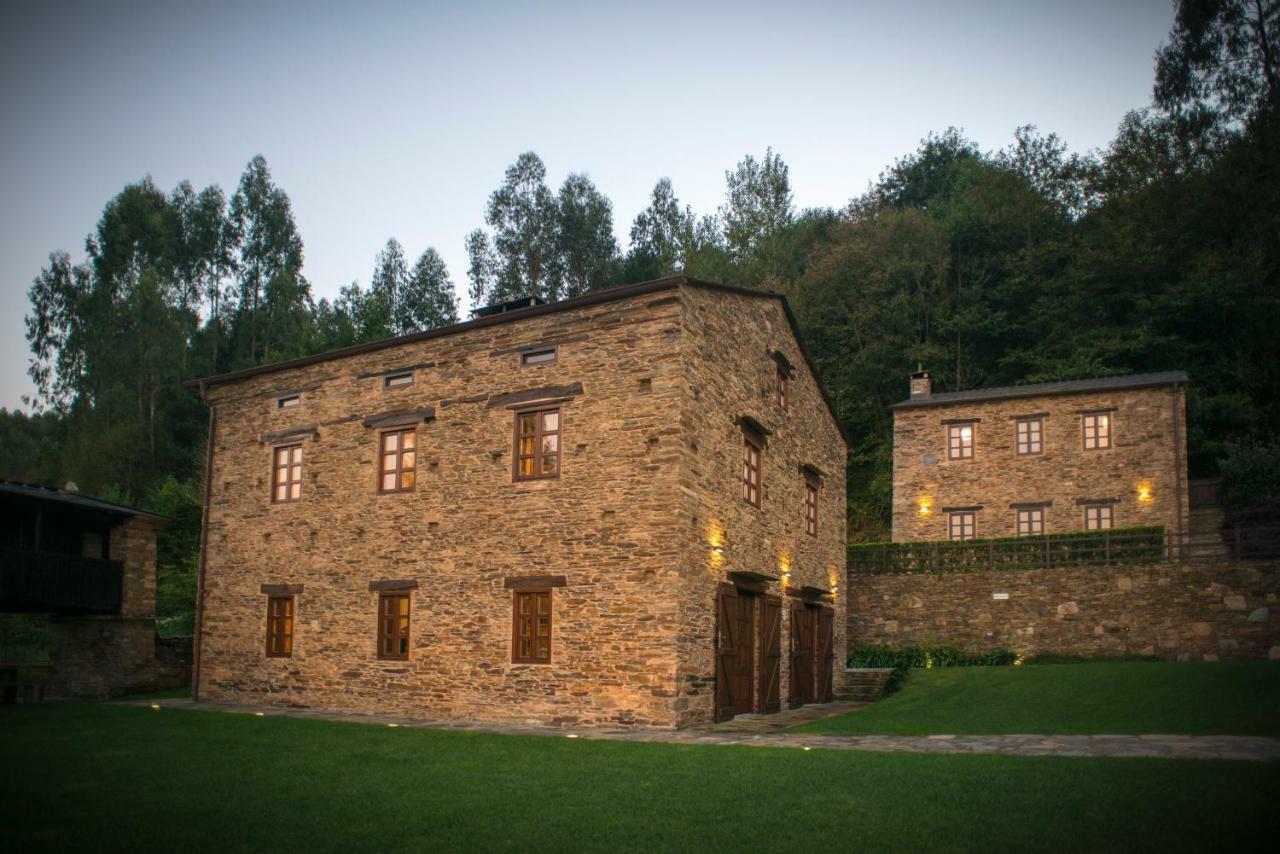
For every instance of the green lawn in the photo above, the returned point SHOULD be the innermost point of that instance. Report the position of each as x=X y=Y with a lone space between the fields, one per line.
x=112 y=777
x=1197 y=698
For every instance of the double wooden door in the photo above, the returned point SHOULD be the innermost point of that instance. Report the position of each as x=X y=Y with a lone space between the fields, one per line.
x=748 y=652
x=812 y=654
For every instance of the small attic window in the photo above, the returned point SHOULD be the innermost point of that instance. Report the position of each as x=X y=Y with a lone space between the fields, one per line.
x=289 y=401
x=543 y=356
x=398 y=380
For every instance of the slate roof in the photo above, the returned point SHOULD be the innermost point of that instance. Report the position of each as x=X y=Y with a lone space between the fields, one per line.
x=40 y=492
x=1041 y=389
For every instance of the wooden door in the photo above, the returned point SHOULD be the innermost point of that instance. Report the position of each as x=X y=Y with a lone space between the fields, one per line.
x=795 y=673
x=803 y=631
x=826 y=654
x=770 y=692
x=735 y=633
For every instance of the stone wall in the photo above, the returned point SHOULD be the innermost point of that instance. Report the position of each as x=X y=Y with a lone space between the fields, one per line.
x=729 y=373
x=1143 y=453
x=1193 y=611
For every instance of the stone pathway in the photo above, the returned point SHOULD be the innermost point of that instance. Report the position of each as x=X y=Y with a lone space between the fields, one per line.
x=761 y=731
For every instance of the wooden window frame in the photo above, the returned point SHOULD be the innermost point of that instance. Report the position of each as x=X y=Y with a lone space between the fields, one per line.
x=540 y=433
x=290 y=481
x=960 y=515
x=810 y=506
x=533 y=593
x=1089 y=423
x=395 y=634
x=1034 y=437
x=400 y=469
x=398 y=379
x=280 y=626
x=956 y=449
x=1029 y=521
x=528 y=358
x=752 y=462
x=782 y=387
x=1101 y=512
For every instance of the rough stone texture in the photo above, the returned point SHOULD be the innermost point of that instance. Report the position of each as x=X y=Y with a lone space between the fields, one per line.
x=1178 y=611
x=1143 y=453
x=648 y=463
x=110 y=655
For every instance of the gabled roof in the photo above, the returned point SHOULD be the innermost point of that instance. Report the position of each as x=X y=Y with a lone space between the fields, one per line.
x=72 y=500
x=515 y=315
x=1041 y=389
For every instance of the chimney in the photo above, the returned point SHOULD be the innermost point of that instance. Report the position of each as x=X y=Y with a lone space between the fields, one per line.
x=921 y=388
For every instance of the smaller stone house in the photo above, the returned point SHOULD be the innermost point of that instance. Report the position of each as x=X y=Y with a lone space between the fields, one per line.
x=1041 y=458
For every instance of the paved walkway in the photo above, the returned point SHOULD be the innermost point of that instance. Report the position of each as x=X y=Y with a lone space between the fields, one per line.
x=760 y=731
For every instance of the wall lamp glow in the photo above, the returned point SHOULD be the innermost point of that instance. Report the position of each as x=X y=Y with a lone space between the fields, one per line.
x=925 y=506
x=1144 y=493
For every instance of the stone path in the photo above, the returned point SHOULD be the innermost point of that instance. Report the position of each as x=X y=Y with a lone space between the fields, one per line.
x=761 y=731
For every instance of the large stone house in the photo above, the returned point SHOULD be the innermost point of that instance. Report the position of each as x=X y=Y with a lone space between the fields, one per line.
x=620 y=509
x=1041 y=458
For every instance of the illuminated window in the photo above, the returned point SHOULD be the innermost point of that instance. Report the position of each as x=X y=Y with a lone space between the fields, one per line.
x=1097 y=431
x=1099 y=517
x=962 y=524
x=279 y=626
x=399 y=461
x=393 y=625
x=399 y=380
x=811 y=506
x=1030 y=435
x=960 y=441
x=537 y=444
x=538 y=357
x=531 y=642
x=752 y=446
x=286 y=474
x=1030 y=521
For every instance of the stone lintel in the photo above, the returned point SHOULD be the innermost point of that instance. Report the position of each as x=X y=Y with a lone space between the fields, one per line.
x=281 y=589
x=533 y=582
x=400 y=417
x=401 y=584
x=534 y=394
x=277 y=436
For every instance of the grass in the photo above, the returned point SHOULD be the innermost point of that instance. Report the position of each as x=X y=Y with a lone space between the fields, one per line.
x=1195 y=698
x=114 y=778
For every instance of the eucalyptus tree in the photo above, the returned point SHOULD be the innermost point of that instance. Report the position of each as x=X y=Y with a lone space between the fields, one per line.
x=429 y=300
x=586 y=249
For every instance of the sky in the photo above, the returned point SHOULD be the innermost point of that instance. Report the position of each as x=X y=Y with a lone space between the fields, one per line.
x=398 y=119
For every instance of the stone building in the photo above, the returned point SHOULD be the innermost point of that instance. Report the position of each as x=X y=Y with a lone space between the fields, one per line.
x=619 y=509
x=1040 y=458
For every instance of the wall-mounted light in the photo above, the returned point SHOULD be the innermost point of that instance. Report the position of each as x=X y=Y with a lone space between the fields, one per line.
x=925 y=506
x=1144 y=492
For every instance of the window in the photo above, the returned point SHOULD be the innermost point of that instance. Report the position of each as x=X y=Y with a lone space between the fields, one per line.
x=1097 y=431
x=1099 y=517
x=1030 y=435
x=962 y=524
x=279 y=626
x=393 y=625
x=538 y=357
x=398 y=380
x=810 y=507
x=288 y=401
x=1030 y=521
x=399 y=461
x=537 y=444
x=751 y=448
x=784 y=391
x=531 y=642
x=287 y=474
x=960 y=441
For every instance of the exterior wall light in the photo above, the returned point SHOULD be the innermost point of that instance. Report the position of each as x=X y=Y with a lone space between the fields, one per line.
x=925 y=506
x=1144 y=492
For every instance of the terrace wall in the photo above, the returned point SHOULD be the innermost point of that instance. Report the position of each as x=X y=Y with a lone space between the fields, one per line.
x=1193 y=611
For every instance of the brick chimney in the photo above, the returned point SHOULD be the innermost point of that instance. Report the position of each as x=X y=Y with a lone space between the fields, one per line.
x=921 y=388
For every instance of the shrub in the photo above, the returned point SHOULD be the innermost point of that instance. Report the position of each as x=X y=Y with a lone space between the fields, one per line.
x=927 y=656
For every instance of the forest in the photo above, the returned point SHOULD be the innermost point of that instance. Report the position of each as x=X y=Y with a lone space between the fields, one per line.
x=1022 y=263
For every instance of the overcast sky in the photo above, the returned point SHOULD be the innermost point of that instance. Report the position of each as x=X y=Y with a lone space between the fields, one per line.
x=384 y=120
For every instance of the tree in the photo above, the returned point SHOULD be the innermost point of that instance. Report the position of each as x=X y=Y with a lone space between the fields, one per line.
x=429 y=301
x=390 y=278
x=1221 y=64
x=660 y=235
x=482 y=267
x=523 y=214
x=758 y=208
x=586 y=248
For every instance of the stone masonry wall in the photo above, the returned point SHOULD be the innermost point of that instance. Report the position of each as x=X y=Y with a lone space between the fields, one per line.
x=1142 y=454
x=1191 y=611
x=729 y=372
x=607 y=524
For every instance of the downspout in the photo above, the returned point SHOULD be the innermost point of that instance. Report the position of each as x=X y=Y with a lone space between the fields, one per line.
x=204 y=545
x=1179 y=466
